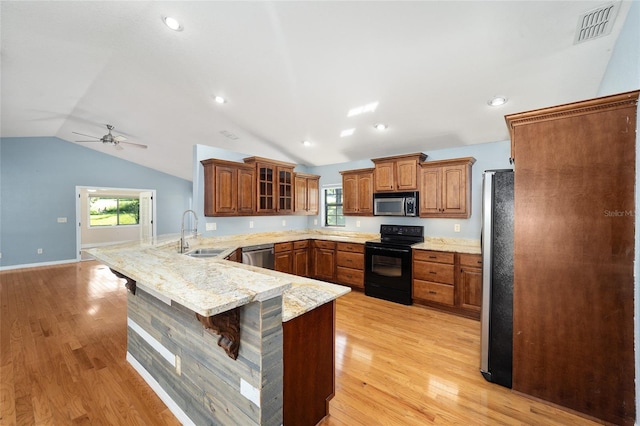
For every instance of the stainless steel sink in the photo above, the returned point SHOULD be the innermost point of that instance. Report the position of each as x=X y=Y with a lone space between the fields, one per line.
x=205 y=252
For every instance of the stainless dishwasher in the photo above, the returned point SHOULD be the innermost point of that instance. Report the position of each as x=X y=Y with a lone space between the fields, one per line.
x=260 y=255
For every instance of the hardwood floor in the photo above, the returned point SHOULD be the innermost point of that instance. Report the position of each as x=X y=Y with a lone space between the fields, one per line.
x=63 y=344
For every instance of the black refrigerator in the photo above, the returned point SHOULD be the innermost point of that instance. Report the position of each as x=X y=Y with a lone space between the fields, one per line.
x=496 y=320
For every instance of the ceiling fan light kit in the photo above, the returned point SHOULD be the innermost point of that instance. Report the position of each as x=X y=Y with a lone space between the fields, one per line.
x=113 y=140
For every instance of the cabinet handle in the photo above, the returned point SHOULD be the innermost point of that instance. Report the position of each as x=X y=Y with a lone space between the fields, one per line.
x=433 y=292
x=432 y=257
x=432 y=272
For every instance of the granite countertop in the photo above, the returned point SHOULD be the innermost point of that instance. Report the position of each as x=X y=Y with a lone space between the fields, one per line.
x=213 y=285
x=456 y=245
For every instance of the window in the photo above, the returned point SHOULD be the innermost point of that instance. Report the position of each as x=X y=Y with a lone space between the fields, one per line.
x=113 y=211
x=333 y=207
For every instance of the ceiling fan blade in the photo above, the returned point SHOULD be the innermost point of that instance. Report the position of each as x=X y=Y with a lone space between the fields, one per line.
x=82 y=134
x=90 y=141
x=119 y=148
x=139 y=145
x=119 y=138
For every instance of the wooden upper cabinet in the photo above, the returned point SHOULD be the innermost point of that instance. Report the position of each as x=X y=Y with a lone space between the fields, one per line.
x=357 y=192
x=399 y=173
x=306 y=193
x=445 y=188
x=229 y=188
x=274 y=189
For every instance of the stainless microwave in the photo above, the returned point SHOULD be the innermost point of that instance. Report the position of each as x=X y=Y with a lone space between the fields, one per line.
x=395 y=204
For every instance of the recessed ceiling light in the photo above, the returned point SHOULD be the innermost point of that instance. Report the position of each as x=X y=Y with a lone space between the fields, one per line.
x=497 y=101
x=220 y=99
x=306 y=143
x=347 y=132
x=380 y=126
x=172 y=23
x=370 y=107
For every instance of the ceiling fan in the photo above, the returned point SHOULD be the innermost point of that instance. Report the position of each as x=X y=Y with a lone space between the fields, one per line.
x=109 y=138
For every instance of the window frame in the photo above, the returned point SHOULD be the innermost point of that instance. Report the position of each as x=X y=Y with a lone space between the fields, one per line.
x=339 y=217
x=119 y=212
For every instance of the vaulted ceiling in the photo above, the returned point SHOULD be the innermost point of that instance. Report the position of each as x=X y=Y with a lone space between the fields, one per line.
x=290 y=71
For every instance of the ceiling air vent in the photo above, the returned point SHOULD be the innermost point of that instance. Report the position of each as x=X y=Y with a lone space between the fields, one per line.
x=596 y=23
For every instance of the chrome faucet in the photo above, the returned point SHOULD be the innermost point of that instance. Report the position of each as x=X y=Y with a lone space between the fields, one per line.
x=184 y=244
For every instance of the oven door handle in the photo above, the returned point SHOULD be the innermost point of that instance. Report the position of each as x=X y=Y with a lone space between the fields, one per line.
x=390 y=249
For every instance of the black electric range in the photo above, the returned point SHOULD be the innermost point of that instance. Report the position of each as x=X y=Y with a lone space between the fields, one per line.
x=388 y=263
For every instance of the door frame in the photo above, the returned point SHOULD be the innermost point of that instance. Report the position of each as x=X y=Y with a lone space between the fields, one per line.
x=79 y=219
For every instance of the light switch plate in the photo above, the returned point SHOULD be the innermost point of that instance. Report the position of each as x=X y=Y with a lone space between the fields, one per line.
x=211 y=226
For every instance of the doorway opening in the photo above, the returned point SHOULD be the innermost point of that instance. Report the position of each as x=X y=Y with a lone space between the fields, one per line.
x=113 y=215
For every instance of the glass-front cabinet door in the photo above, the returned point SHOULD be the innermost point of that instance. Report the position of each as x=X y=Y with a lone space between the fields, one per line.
x=285 y=189
x=274 y=189
x=266 y=188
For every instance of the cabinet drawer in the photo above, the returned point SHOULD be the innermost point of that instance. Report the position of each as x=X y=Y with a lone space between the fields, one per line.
x=433 y=256
x=324 y=244
x=471 y=260
x=350 y=260
x=280 y=247
x=434 y=292
x=438 y=272
x=298 y=245
x=350 y=276
x=352 y=247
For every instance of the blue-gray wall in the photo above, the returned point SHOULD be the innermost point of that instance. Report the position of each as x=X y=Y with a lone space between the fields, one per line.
x=38 y=179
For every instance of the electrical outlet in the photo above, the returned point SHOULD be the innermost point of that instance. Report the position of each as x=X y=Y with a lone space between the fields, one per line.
x=284 y=222
x=62 y=220
x=211 y=226
x=357 y=224
x=250 y=224
x=315 y=221
x=39 y=251
x=456 y=227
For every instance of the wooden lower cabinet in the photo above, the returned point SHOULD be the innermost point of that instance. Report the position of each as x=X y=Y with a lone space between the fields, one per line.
x=324 y=260
x=469 y=285
x=283 y=257
x=309 y=366
x=448 y=281
x=301 y=258
x=350 y=265
x=235 y=256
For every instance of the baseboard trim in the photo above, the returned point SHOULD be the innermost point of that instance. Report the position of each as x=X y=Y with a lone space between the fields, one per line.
x=37 y=265
x=162 y=394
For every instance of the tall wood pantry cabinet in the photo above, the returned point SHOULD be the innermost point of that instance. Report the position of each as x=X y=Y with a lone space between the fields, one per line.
x=573 y=321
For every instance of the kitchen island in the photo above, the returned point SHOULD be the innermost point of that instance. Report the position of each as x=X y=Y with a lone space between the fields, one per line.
x=226 y=343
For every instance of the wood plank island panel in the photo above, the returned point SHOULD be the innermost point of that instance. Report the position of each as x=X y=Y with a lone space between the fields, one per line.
x=395 y=364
